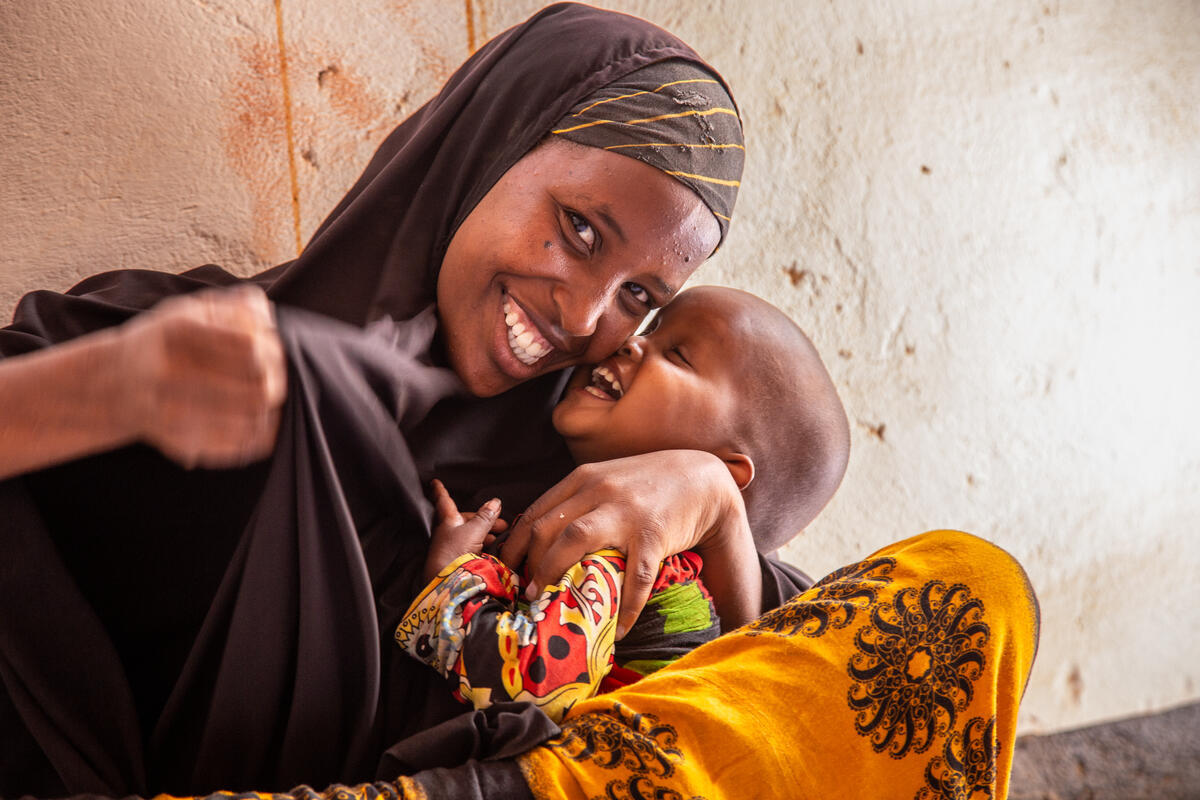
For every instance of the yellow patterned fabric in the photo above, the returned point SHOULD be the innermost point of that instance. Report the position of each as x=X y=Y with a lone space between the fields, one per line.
x=898 y=676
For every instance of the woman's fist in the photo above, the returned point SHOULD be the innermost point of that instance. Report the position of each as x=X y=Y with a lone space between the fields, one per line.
x=206 y=377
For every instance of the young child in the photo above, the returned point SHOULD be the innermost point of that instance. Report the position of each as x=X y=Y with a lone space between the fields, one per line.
x=719 y=370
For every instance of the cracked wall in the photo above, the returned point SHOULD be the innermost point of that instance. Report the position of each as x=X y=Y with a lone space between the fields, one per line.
x=989 y=223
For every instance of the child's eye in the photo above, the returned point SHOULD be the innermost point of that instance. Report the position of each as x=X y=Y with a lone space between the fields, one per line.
x=584 y=229
x=678 y=354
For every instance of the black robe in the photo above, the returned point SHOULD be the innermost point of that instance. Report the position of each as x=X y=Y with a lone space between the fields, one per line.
x=172 y=630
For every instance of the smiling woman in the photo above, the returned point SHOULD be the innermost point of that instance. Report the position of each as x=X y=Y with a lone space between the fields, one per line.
x=565 y=181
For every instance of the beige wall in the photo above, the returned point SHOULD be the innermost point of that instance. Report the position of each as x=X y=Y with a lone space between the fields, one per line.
x=987 y=218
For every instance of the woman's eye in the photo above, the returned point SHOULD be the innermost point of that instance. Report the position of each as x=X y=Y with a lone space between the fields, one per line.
x=584 y=229
x=639 y=293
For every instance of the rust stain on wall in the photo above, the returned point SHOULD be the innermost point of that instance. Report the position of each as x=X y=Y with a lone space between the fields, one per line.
x=470 y=27
x=254 y=134
x=481 y=26
x=287 y=121
x=348 y=95
x=435 y=67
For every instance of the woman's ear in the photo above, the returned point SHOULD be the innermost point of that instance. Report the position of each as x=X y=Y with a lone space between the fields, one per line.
x=740 y=467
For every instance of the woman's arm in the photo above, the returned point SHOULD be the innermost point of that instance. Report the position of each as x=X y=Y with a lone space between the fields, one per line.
x=201 y=377
x=648 y=506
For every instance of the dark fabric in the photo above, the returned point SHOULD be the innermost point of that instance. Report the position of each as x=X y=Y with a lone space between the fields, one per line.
x=502 y=730
x=673 y=115
x=150 y=617
x=285 y=678
x=781 y=582
x=489 y=780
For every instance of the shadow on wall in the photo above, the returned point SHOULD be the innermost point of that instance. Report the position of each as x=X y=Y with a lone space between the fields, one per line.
x=1155 y=756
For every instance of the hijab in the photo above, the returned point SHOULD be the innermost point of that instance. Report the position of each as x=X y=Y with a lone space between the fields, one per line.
x=391 y=229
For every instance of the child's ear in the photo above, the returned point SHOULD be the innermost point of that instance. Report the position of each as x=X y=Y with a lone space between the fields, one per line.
x=740 y=467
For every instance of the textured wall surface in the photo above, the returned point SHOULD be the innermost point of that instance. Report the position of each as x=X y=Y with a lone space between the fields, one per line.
x=989 y=222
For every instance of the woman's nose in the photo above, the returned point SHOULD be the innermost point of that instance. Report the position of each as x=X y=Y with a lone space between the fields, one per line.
x=579 y=310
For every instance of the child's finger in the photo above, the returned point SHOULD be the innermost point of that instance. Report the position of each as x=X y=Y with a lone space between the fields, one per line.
x=481 y=523
x=499 y=526
x=444 y=504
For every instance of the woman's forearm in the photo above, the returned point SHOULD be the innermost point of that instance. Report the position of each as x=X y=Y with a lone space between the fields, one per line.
x=201 y=377
x=62 y=403
x=731 y=569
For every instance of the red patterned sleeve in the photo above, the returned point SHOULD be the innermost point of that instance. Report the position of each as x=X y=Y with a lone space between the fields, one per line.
x=468 y=623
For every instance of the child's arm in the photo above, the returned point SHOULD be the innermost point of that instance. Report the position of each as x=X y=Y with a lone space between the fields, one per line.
x=467 y=624
x=470 y=623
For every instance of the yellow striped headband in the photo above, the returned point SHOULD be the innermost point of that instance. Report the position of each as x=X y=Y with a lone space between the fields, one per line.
x=673 y=115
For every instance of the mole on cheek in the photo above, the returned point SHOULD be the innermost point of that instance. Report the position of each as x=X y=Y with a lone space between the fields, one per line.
x=547 y=244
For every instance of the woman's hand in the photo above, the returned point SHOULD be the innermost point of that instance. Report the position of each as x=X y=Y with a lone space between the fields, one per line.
x=206 y=377
x=649 y=506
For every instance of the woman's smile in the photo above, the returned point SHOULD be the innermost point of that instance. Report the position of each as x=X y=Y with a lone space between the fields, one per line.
x=561 y=260
x=524 y=339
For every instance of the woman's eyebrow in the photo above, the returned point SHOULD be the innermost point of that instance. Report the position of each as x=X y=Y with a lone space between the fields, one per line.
x=665 y=289
x=605 y=216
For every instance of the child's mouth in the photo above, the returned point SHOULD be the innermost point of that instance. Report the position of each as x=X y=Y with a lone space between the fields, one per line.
x=604 y=384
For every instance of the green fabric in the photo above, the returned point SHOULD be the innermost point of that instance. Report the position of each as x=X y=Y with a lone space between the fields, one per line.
x=645 y=666
x=682 y=607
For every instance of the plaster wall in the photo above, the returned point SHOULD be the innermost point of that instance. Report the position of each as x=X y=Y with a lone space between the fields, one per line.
x=988 y=219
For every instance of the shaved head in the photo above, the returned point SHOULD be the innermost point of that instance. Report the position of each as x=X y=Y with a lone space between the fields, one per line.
x=790 y=419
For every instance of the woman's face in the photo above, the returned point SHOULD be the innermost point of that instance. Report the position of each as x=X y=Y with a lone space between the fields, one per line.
x=561 y=260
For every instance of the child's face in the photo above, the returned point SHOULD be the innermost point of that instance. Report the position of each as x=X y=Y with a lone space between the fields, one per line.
x=675 y=387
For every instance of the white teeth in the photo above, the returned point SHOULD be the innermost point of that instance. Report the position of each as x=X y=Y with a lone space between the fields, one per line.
x=602 y=378
x=610 y=377
x=521 y=337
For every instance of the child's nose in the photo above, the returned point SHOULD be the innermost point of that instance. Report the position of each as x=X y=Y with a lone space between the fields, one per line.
x=634 y=347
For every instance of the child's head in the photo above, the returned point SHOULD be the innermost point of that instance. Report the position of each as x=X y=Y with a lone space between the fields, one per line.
x=723 y=371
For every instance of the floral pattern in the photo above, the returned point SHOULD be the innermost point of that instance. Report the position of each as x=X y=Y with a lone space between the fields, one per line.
x=967 y=768
x=838 y=597
x=915 y=665
x=622 y=738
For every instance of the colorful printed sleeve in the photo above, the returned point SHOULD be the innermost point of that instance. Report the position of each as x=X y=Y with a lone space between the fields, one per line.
x=468 y=623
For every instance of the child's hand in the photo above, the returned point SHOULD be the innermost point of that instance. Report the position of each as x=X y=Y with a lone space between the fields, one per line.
x=457 y=534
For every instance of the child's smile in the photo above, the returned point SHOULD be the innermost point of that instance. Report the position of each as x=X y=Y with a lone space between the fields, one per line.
x=604 y=384
x=676 y=387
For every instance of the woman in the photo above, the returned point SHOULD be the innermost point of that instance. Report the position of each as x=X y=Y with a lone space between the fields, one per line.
x=186 y=630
